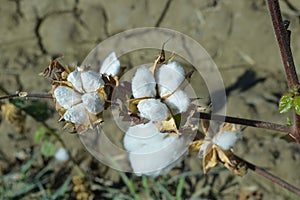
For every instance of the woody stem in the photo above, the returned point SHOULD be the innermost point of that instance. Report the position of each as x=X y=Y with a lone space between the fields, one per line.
x=271 y=177
x=246 y=122
x=283 y=36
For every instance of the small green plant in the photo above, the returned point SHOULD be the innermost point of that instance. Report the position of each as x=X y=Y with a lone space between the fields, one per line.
x=47 y=147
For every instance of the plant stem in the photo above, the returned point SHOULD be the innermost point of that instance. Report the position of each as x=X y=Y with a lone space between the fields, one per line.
x=26 y=95
x=271 y=177
x=246 y=122
x=283 y=39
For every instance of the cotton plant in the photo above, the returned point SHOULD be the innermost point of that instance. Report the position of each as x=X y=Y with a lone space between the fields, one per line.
x=157 y=145
x=217 y=146
x=81 y=94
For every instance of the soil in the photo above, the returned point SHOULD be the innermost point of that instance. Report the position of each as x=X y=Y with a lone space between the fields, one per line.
x=237 y=34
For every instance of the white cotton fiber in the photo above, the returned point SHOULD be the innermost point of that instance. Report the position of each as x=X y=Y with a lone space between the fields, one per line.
x=143 y=83
x=61 y=155
x=153 y=110
x=227 y=139
x=110 y=65
x=66 y=97
x=169 y=77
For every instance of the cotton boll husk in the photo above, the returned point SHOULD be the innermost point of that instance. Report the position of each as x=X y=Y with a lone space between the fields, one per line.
x=227 y=139
x=75 y=78
x=143 y=83
x=169 y=77
x=153 y=110
x=178 y=102
x=66 y=97
x=91 y=81
x=77 y=114
x=110 y=65
x=151 y=152
x=93 y=103
x=61 y=155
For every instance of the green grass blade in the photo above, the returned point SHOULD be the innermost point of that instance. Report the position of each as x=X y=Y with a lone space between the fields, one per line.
x=179 y=189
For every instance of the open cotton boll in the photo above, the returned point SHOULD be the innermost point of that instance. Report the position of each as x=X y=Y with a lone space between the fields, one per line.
x=143 y=83
x=61 y=155
x=153 y=110
x=110 y=65
x=169 y=77
x=152 y=152
x=227 y=139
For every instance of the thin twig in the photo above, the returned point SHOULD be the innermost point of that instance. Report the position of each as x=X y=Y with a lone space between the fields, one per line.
x=283 y=39
x=26 y=95
x=246 y=122
x=271 y=177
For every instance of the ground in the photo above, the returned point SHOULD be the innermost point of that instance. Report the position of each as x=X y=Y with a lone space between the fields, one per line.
x=237 y=34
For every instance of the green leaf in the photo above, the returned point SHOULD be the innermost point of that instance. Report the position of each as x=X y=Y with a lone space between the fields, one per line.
x=48 y=149
x=296 y=103
x=39 y=134
x=285 y=103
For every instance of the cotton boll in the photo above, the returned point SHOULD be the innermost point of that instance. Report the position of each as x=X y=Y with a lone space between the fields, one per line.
x=61 y=155
x=153 y=110
x=66 y=97
x=227 y=139
x=143 y=83
x=169 y=77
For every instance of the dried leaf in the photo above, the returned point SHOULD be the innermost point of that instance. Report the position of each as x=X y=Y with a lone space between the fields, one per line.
x=210 y=160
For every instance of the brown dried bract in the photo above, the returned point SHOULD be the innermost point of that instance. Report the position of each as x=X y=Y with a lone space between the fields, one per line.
x=56 y=72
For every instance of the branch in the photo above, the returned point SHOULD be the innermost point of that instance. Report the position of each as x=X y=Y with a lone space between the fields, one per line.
x=246 y=122
x=26 y=95
x=271 y=177
x=283 y=39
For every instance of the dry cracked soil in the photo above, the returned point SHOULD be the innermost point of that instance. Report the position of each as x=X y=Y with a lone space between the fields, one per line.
x=238 y=35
